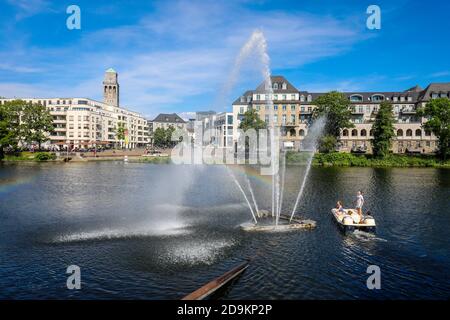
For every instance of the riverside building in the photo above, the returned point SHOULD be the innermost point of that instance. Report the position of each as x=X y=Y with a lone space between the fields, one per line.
x=83 y=122
x=293 y=111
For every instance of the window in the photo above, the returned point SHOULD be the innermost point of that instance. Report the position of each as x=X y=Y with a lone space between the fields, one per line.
x=309 y=97
x=427 y=133
x=241 y=110
x=301 y=133
x=354 y=133
x=284 y=119
x=418 y=133
x=409 y=133
x=275 y=97
x=399 y=133
x=292 y=96
x=275 y=86
x=284 y=107
x=345 y=133
x=266 y=119
x=356 y=98
x=275 y=119
x=371 y=133
x=292 y=107
x=275 y=107
x=70 y=118
x=363 y=132
x=284 y=86
x=258 y=97
x=302 y=98
x=284 y=97
x=377 y=97
x=293 y=119
x=302 y=108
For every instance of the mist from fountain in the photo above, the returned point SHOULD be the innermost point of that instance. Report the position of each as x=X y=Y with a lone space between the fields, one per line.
x=257 y=45
x=309 y=146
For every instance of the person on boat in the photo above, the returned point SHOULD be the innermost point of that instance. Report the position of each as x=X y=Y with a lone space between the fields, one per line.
x=340 y=207
x=359 y=203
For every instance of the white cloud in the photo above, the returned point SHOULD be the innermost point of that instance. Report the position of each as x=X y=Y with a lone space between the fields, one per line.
x=179 y=56
x=28 y=8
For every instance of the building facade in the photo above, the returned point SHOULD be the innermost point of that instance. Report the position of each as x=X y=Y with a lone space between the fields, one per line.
x=83 y=122
x=292 y=110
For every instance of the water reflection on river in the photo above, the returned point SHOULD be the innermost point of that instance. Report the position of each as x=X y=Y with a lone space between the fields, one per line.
x=159 y=231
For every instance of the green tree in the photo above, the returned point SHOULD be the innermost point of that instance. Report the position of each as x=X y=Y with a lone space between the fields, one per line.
x=9 y=125
x=383 y=130
x=336 y=107
x=327 y=143
x=120 y=132
x=168 y=132
x=159 y=137
x=251 y=120
x=36 y=123
x=438 y=113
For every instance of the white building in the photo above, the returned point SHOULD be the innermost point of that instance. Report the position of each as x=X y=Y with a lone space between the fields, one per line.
x=84 y=122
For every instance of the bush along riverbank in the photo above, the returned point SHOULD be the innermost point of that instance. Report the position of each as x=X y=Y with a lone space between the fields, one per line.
x=366 y=160
x=30 y=156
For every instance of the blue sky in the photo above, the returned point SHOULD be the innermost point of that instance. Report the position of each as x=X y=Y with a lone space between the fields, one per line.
x=175 y=56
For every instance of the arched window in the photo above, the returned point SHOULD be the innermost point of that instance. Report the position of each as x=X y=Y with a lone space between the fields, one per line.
x=345 y=133
x=377 y=97
x=371 y=132
x=354 y=133
x=275 y=86
x=409 y=133
x=356 y=98
x=292 y=133
x=284 y=86
x=418 y=133
x=309 y=97
x=399 y=133
x=301 y=133
x=363 y=132
x=427 y=133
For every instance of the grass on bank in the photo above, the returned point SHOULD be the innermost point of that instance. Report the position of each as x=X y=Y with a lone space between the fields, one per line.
x=366 y=160
x=30 y=156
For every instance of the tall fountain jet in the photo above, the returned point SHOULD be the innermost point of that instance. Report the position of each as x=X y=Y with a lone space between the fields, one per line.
x=257 y=46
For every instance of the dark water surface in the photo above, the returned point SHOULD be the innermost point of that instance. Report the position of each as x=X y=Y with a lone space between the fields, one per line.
x=160 y=231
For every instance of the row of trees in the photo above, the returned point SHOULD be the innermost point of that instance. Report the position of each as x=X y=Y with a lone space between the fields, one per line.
x=23 y=122
x=336 y=107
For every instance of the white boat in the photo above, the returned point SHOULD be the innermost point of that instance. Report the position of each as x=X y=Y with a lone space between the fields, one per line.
x=349 y=220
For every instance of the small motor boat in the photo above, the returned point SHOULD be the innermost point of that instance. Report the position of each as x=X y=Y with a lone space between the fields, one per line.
x=350 y=220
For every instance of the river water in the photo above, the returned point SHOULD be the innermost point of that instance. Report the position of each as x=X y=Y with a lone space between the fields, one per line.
x=144 y=231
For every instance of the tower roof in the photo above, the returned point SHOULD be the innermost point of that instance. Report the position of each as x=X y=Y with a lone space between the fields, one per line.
x=111 y=70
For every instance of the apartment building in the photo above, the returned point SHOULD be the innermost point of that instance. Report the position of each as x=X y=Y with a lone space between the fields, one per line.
x=84 y=122
x=218 y=129
x=292 y=110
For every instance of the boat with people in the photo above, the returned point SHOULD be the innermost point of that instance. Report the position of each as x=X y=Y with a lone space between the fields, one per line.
x=350 y=220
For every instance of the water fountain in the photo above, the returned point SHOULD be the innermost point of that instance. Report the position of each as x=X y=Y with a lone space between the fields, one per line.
x=257 y=45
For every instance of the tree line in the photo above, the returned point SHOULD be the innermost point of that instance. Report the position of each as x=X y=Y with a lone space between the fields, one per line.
x=337 y=109
x=23 y=122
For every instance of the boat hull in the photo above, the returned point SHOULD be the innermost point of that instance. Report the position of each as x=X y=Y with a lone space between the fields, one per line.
x=350 y=227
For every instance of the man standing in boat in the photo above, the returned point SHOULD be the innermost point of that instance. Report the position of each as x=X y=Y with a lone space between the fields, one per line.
x=359 y=203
